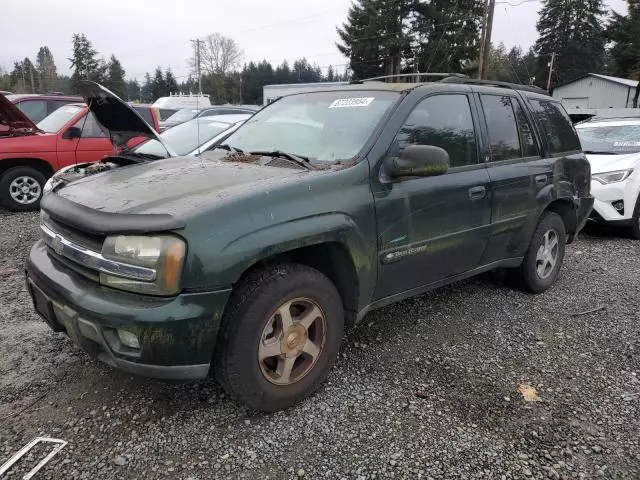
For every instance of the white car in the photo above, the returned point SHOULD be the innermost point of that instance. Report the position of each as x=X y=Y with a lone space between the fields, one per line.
x=613 y=149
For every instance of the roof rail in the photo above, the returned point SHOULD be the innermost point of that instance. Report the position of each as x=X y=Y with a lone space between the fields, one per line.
x=493 y=83
x=415 y=76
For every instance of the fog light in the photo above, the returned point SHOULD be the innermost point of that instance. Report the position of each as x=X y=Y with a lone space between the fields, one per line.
x=128 y=339
x=619 y=206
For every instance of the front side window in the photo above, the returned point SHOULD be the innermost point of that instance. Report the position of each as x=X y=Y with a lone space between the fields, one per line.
x=36 y=110
x=443 y=121
x=58 y=119
x=556 y=125
x=326 y=127
x=504 y=140
x=90 y=127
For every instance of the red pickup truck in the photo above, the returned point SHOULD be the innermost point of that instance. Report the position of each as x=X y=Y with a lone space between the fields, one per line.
x=30 y=154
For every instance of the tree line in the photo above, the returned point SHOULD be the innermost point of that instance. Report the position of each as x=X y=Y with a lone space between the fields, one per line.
x=385 y=37
x=224 y=76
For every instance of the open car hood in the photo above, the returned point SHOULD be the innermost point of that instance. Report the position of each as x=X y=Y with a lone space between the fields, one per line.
x=13 y=122
x=122 y=121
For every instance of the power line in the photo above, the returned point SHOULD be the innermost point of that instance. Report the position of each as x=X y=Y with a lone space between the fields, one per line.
x=524 y=62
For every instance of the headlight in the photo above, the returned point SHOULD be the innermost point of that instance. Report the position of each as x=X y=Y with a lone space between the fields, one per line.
x=163 y=254
x=612 y=177
x=50 y=183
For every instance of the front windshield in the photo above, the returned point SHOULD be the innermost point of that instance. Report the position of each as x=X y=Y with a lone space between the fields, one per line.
x=184 y=138
x=58 y=119
x=183 y=115
x=322 y=126
x=616 y=139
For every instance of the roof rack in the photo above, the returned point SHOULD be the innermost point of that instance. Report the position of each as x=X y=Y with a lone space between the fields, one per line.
x=415 y=76
x=513 y=86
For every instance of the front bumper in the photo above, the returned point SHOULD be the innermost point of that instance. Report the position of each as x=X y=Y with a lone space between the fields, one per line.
x=628 y=191
x=177 y=335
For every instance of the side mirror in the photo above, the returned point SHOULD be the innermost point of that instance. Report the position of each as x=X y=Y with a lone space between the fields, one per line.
x=418 y=161
x=72 y=132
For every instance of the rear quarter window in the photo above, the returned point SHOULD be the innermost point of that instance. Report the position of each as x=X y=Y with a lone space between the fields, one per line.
x=556 y=126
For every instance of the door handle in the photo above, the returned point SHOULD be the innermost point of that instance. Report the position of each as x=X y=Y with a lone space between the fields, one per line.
x=476 y=193
x=541 y=179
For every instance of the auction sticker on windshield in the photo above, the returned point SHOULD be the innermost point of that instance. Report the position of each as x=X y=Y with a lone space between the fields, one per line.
x=351 y=102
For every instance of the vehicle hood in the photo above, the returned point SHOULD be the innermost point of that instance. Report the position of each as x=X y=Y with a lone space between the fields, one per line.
x=178 y=186
x=610 y=163
x=13 y=122
x=121 y=120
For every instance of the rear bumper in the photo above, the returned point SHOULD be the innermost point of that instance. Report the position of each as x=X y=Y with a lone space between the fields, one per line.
x=177 y=335
x=583 y=210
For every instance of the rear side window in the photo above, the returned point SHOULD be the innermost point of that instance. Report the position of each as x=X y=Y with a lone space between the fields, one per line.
x=36 y=110
x=556 y=125
x=529 y=147
x=90 y=127
x=444 y=121
x=503 y=131
x=146 y=114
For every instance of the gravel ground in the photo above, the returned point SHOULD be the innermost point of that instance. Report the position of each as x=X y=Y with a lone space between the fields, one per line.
x=425 y=389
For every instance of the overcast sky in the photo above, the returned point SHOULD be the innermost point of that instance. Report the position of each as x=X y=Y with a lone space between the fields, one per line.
x=144 y=34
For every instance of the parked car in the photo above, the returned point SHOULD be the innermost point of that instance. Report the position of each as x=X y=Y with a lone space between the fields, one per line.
x=187 y=114
x=180 y=100
x=152 y=115
x=613 y=149
x=250 y=262
x=30 y=153
x=36 y=106
x=5 y=92
x=188 y=139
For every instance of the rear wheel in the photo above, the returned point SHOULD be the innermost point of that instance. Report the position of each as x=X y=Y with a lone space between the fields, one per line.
x=279 y=337
x=543 y=259
x=21 y=188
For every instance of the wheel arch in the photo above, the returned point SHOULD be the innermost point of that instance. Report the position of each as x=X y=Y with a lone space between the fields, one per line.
x=42 y=166
x=565 y=209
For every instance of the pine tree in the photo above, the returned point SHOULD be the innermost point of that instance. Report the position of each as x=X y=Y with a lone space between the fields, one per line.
x=283 y=73
x=47 y=72
x=115 y=78
x=147 y=89
x=30 y=75
x=158 y=86
x=624 y=32
x=133 y=90
x=170 y=82
x=330 y=74
x=574 y=32
x=84 y=62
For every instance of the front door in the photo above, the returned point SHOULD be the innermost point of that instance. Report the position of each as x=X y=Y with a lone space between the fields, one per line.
x=94 y=143
x=431 y=228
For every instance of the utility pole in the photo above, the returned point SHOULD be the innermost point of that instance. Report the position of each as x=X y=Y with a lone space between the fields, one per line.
x=553 y=57
x=196 y=42
x=485 y=46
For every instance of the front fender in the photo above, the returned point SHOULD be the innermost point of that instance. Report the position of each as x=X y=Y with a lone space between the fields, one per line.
x=244 y=252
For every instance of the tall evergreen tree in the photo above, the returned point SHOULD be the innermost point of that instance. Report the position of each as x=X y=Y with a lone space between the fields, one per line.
x=30 y=75
x=133 y=90
x=47 y=72
x=282 y=73
x=624 y=32
x=170 y=82
x=115 y=78
x=147 y=89
x=574 y=31
x=331 y=74
x=158 y=86
x=84 y=63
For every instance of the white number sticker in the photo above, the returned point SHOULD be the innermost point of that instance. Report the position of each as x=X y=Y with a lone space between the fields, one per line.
x=351 y=102
x=626 y=144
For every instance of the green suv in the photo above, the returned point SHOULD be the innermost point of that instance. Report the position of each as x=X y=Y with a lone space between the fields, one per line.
x=250 y=261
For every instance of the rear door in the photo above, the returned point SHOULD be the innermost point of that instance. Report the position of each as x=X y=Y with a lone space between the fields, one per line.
x=430 y=228
x=34 y=108
x=511 y=150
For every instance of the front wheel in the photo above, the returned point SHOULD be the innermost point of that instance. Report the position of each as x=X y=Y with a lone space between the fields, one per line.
x=279 y=337
x=543 y=259
x=21 y=189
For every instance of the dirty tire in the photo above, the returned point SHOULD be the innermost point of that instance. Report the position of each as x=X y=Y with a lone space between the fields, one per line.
x=635 y=227
x=7 y=182
x=236 y=363
x=527 y=277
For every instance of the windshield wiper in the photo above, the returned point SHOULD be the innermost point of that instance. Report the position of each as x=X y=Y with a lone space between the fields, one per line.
x=593 y=152
x=297 y=159
x=228 y=148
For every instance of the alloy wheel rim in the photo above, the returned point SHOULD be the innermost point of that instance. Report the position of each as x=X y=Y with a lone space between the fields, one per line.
x=292 y=341
x=25 y=190
x=547 y=255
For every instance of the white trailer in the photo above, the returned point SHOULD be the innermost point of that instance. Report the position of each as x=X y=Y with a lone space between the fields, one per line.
x=274 y=92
